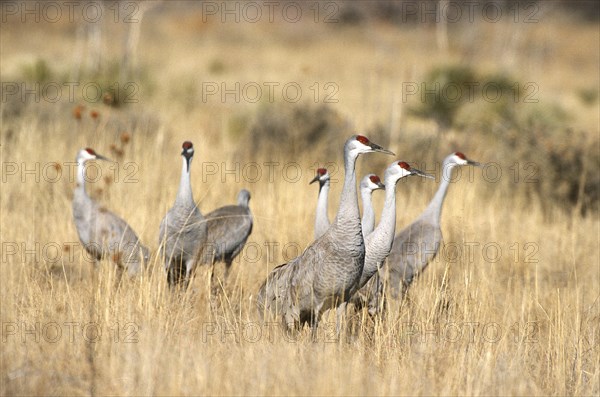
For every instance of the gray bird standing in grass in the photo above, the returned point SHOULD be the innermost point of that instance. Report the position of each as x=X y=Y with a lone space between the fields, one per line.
x=102 y=233
x=326 y=273
x=417 y=245
x=379 y=243
x=228 y=229
x=183 y=229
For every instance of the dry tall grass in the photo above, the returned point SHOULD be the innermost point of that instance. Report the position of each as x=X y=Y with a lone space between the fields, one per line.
x=510 y=307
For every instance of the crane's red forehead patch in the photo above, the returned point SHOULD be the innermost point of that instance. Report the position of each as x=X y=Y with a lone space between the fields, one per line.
x=362 y=139
x=321 y=171
x=460 y=155
x=404 y=165
x=375 y=179
x=90 y=151
x=187 y=145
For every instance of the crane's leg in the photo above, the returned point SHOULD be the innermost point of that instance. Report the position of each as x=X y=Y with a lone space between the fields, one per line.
x=179 y=273
x=403 y=291
x=169 y=270
x=287 y=322
x=175 y=270
x=189 y=267
x=340 y=315
x=118 y=257
x=171 y=276
x=393 y=306
x=228 y=263
x=382 y=297
x=213 y=284
x=118 y=276
x=314 y=322
x=373 y=295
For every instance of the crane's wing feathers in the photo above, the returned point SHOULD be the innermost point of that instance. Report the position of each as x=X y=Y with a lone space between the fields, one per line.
x=414 y=247
x=228 y=229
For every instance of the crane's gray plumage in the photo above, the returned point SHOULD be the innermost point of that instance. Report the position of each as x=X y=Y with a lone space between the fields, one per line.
x=379 y=243
x=103 y=233
x=321 y=218
x=368 y=184
x=326 y=273
x=417 y=245
x=228 y=229
x=183 y=229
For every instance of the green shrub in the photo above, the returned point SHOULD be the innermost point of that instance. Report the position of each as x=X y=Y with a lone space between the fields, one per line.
x=442 y=104
x=38 y=72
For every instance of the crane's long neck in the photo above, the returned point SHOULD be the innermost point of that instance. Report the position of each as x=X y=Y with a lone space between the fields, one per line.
x=82 y=203
x=387 y=224
x=348 y=210
x=184 y=195
x=379 y=243
x=368 y=218
x=434 y=209
x=80 y=188
x=322 y=203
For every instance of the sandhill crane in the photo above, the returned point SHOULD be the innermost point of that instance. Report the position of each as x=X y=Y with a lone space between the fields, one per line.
x=379 y=243
x=228 y=229
x=321 y=218
x=417 y=245
x=325 y=274
x=183 y=229
x=103 y=233
x=368 y=184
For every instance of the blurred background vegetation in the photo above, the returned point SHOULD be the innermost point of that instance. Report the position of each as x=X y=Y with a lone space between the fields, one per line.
x=500 y=84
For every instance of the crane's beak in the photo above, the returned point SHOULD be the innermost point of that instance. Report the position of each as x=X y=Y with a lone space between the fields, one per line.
x=315 y=179
x=188 y=158
x=376 y=148
x=474 y=163
x=380 y=185
x=415 y=171
x=101 y=157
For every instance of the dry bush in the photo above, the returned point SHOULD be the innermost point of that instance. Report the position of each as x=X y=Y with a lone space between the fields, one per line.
x=305 y=128
x=533 y=139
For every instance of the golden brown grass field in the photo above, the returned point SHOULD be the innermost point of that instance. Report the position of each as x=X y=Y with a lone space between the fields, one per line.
x=511 y=306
